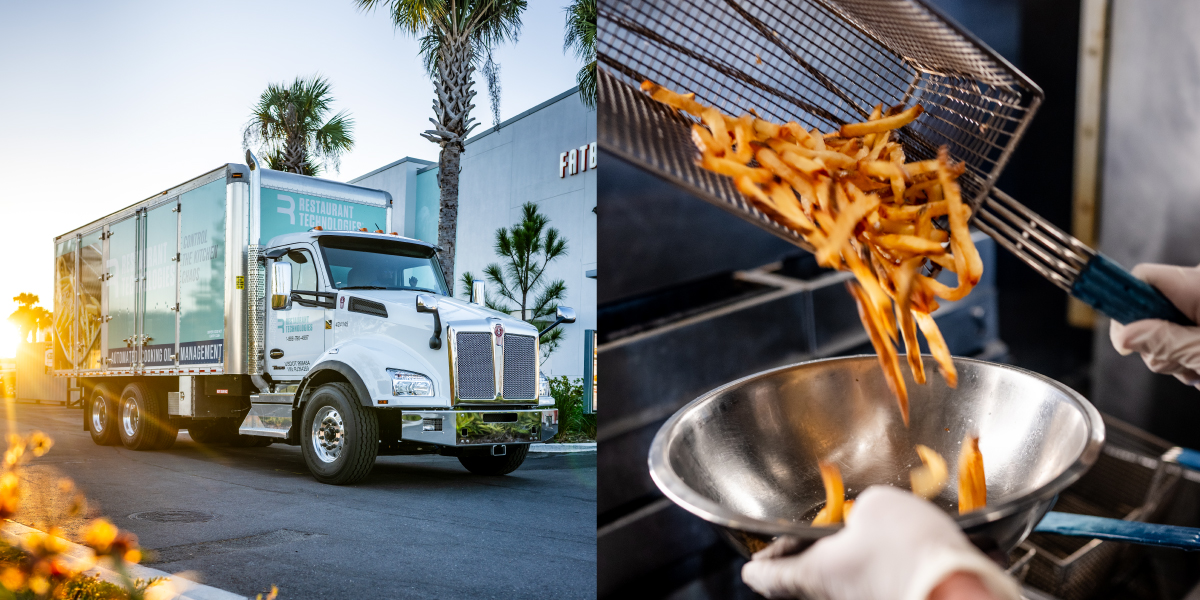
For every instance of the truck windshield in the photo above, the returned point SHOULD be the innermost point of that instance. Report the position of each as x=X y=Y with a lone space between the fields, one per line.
x=371 y=264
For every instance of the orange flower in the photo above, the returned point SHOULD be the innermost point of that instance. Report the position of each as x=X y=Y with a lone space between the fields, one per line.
x=12 y=579
x=39 y=443
x=10 y=494
x=100 y=535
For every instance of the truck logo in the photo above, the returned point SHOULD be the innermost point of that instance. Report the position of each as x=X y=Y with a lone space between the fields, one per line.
x=290 y=211
x=342 y=302
x=499 y=331
x=292 y=324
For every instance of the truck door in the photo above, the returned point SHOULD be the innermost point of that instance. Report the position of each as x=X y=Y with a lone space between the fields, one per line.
x=296 y=333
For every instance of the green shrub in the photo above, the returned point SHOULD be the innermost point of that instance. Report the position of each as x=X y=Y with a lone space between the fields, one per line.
x=573 y=424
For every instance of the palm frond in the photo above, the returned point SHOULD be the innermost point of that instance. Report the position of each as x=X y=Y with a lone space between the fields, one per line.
x=289 y=127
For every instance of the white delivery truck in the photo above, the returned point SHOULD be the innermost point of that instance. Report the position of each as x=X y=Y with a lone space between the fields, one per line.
x=254 y=306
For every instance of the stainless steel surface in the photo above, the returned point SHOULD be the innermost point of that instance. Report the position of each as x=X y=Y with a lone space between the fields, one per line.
x=277 y=398
x=131 y=417
x=255 y=334
x=475 y=375
x=824 y=63
x=99 y=414
x=520 y=367
x=744 y=456
x=327 y=437
x=238 y=342
x=478 y=292
x=281 y=286
x=270 y=420
x=479 y=427
x=565 y=314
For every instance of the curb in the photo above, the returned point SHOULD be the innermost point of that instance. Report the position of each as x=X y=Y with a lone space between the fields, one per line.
x=184 y=589
x=563 y=448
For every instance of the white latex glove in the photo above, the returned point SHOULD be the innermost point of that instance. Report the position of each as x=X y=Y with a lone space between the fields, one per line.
x=894 y=546
x=1166 y=347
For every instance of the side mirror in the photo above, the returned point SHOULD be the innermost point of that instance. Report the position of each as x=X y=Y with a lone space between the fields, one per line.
x=478 y=289
x=429 y=304
x=281 y=286
x=564 y=314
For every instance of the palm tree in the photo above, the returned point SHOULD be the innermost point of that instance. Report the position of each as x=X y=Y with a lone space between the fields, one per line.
x=527 y=249
x=456 y=36
x=29 y=317
x=288 y=124
x=581 y=39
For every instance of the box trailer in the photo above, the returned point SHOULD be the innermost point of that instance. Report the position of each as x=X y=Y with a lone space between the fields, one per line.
x=253 y=306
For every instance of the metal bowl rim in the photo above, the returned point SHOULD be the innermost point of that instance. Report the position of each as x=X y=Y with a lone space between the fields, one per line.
x=679 y=492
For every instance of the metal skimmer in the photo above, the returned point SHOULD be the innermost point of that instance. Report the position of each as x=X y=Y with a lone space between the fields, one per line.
x=824 y=63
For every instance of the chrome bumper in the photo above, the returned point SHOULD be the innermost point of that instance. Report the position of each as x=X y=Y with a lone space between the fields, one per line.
x=479 y=427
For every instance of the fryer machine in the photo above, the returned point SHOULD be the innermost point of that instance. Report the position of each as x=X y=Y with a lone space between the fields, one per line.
x=824 y=63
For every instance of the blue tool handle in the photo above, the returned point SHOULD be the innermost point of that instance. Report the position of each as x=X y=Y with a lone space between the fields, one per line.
x=1110 y=289
x=1185 y=457
x=1116 y=530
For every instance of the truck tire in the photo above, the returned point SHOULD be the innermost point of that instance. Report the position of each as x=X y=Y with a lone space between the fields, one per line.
x=140 y=417
x=102 y=417
x=339 y=437
x=211 y=431
x=485 y=464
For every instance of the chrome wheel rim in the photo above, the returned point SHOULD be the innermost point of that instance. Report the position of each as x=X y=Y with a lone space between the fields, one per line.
x=131 y=417
x=99 y=414
x=328 y=434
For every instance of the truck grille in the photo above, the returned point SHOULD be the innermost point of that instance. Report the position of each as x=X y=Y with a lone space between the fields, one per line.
x=476 y=370
x=520 y=367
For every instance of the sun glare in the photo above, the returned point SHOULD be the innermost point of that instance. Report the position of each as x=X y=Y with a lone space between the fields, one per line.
x=10 y=337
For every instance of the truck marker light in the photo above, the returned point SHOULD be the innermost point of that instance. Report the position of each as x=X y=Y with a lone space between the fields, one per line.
x=383 y=401
x=222 y=391
x=378 y=231
x=362 y=229
x=393 y=233
x=318 y=228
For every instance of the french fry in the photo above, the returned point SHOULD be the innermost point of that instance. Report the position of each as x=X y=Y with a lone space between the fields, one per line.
x=734 y=169
x=972 y=486
x=851 y=194
x=684 y=102
x=909 y=244
x=835 y=495
x=929 y=479
x=937 y=347
x=885 y=124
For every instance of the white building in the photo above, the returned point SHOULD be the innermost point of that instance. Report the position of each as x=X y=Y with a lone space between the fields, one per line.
x=544 y=155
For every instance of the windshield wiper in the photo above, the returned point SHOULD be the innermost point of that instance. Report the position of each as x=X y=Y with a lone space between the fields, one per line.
x=363 y=287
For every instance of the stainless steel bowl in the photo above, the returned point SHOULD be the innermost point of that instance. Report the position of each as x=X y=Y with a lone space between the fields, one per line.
x=744 y=456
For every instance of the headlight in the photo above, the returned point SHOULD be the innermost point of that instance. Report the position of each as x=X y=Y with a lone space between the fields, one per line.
x=407 y=383
x=543 y=386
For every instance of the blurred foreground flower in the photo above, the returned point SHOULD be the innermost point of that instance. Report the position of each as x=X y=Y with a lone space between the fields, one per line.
x=40 y=566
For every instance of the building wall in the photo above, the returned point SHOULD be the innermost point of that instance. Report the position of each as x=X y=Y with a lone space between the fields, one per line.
x=501 y=170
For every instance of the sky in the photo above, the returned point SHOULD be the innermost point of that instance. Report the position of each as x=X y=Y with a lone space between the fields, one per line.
x=108 y=103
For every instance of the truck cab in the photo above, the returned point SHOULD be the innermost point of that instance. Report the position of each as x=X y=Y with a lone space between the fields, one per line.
x=363 y=340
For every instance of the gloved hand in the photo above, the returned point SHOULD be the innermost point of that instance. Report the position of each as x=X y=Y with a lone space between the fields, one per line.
x=1166 y=347
x=894 y=546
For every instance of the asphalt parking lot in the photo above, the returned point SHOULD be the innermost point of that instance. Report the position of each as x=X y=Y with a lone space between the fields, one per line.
x=245 y=519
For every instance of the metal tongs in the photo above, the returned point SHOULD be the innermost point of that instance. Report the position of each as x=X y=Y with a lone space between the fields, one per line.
x=825 y=63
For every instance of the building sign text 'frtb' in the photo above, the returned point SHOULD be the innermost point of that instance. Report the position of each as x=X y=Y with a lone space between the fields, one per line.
x=578 y=159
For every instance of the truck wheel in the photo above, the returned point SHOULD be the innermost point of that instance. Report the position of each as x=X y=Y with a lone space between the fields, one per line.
x=485 y=464
x=167 y=434
x=102 y=417
x=138 y=417
x=339 y=436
